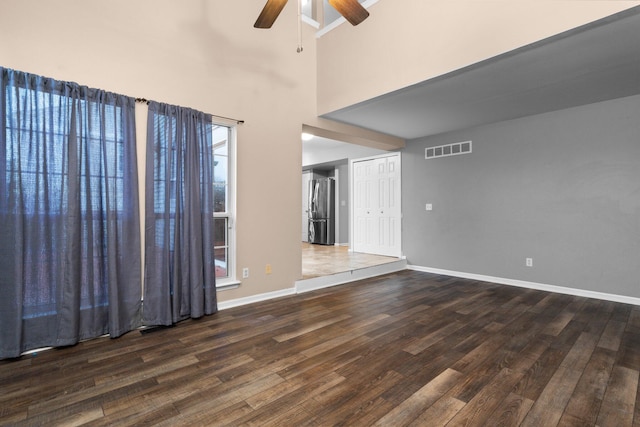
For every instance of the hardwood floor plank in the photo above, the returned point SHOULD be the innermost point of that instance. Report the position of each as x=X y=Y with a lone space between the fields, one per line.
x=486 y=401
x=382 y=355
x=10 y=416
x=270 y=407
x=309 y=328
x=179 y=389
x=151 y=369
x=612 y=335
x=364 y=415
x=621 y=312
x=364 y=405
x=412 y=407
x=327 y=361
x=586 y=400
x=356 y=331
x=633 y=323
x=547 y=301
x=440 y=413
x=541 y=372
x=619 y=399
x=203 y=368
x=629 y=351
x=636 y=415
x=295 y=416
x=79 y=418
x=471 y=336
x=425 y=342
x=216 y=401
x=558 y=324
x=510 y=412
x=481 y=376
x=89 y=398
x=64 y=409
x=551 y=403
x=594 y=315
x=488 y=348
x=304 y=385
x=146 y=415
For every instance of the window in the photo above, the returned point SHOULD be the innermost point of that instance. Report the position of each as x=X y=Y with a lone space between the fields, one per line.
x=224 y=204
x=37 y=177
x=69 y=222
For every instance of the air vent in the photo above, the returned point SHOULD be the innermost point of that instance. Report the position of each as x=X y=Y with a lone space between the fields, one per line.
x=447 y=150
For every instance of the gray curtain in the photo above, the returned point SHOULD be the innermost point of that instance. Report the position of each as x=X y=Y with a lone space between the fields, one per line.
x=69 y=221
x=179 y=259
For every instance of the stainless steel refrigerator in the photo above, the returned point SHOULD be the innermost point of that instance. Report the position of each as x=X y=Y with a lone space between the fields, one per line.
x=322 y=211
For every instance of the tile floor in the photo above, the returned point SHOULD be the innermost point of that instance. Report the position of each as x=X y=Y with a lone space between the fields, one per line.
x=321 y=260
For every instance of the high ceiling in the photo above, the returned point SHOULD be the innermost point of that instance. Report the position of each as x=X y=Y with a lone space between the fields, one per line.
x=597 y=62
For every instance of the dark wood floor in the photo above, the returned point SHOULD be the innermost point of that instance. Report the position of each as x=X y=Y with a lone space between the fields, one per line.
x=408 y=348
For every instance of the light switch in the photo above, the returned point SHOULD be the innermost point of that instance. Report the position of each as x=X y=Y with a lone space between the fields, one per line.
x=429 y=207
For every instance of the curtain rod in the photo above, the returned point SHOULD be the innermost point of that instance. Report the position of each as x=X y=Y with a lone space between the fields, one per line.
x=239 y=122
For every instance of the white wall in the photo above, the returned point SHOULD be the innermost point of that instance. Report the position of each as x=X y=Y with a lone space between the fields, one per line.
x=322 y=150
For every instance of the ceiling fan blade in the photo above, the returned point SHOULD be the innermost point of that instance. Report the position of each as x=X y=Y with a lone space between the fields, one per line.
x=353 y=11
x=270 y=13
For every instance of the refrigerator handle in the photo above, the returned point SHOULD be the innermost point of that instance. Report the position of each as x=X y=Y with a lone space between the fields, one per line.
x=314 y=201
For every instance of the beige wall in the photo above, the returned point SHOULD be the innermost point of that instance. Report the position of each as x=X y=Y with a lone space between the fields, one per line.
x=404 y=42
x=203 y=54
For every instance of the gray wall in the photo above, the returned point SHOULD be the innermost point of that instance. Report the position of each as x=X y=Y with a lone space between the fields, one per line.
x=562 y=188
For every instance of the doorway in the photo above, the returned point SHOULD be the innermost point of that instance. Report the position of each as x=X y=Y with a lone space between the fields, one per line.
x=331 y=158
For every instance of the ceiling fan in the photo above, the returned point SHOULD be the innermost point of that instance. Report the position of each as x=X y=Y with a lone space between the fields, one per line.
x=353 y=12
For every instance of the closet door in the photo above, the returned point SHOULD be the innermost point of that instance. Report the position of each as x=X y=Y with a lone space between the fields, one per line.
x=377 y=205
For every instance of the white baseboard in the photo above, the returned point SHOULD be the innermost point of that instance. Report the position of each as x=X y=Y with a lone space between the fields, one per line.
x=531 y=285
x=307 y=285
x=255 y=298
x=315 y=283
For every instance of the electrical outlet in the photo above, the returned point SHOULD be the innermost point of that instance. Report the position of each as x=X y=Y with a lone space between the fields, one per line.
x=529 y=262
x=429 y=207
x=267 y=269
x=245 y=273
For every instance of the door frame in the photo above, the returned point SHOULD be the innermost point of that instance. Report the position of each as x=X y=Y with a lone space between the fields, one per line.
x=352 y=197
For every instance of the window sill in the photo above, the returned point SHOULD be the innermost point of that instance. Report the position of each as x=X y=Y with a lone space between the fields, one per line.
x=226 y=284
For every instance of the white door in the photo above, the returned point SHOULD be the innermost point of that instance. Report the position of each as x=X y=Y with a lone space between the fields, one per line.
x=377 y=205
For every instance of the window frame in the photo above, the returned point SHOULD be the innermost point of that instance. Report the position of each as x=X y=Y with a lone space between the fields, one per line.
x=231 y=280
